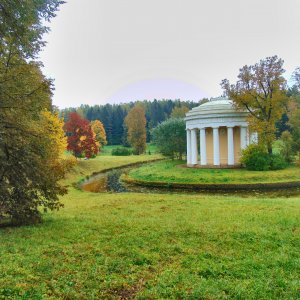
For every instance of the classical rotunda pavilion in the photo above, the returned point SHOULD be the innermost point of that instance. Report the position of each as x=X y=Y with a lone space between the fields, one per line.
x=222 y=131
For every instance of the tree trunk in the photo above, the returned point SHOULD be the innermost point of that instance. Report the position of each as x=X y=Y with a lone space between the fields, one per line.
x=270 y=150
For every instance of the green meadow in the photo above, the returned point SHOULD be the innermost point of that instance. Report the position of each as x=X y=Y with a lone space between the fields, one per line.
x=152 y=149
x=172 y=172
x=154 y=246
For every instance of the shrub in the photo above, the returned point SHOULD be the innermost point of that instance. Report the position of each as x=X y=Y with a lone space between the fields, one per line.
x=277 y=162
x=170 y=137
x=121 y=151
x=255 y=158
x=286 y=146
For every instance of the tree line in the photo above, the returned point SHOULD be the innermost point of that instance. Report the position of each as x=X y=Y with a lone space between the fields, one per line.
x=113 y=116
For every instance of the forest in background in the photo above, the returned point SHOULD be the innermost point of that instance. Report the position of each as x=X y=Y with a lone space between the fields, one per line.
x=113 y=115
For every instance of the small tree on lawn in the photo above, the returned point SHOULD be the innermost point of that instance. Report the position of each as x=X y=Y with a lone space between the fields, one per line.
x=170 y=137
x=136 y=129
x=81 y=138
x=99 y=131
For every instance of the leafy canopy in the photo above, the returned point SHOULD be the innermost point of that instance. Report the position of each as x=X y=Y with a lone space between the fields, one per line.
x=31 y=137
x=81 y=138
x=261 y=90
x=99 y=131
x=170 y=137
x=135 y=122
x=22 y=24
x=179 y=112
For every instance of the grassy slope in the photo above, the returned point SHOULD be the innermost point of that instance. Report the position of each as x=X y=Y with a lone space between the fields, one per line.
x=117 y=246
x=167 y=171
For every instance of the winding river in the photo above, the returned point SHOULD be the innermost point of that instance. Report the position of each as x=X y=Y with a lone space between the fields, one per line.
x=110 y=181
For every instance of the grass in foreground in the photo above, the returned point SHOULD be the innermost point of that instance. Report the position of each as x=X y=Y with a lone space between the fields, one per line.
x=168 y=171
x=152 y=246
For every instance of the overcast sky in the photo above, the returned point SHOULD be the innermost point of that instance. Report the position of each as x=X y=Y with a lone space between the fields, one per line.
x=115 y=51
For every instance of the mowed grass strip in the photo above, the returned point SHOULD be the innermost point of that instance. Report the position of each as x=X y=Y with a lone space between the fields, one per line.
x=155 y=246
x=171 y=172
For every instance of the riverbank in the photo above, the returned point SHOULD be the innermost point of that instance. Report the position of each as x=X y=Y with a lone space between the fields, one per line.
x=171 y=172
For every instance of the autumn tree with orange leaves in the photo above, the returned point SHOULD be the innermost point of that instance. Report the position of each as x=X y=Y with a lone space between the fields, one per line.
x=99 y=131
x=135 y=122
x=81 y=138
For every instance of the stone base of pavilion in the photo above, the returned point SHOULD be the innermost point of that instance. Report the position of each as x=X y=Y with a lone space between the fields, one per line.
x=198 y=166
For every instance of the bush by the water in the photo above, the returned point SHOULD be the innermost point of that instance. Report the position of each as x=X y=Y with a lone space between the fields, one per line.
x=121 y=151
x=256 y=158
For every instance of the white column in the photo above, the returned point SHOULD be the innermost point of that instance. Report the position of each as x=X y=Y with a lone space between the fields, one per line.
x=243 y=138
x=203 y=147
x=230 y=144
x=248 y=136
x=194 y=147
x=216 y=146
x=188 y=146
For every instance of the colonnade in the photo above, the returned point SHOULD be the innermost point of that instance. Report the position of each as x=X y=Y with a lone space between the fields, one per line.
x=192 y=145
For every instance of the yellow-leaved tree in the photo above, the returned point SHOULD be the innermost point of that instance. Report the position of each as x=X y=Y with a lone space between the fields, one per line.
x=53 y=130
x=100 y=133
x=179 y=112
x=261 y=90
x=135 y=122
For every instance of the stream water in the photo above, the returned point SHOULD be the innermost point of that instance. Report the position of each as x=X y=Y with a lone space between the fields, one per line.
x=109 y=181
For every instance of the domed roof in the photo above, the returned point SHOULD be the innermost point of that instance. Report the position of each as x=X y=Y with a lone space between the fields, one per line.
x=219 y=106
x=216 y=104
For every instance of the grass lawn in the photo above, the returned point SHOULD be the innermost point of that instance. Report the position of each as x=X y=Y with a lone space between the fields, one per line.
x=106 y=150
x=168 y=171
x=154 y=246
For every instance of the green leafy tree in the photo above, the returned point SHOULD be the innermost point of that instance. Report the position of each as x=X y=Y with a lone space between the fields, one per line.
x=261 y=90
x=30 y=162
x=294 y=122
x=286 y=146
x=170 y=137
x=22 y=25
